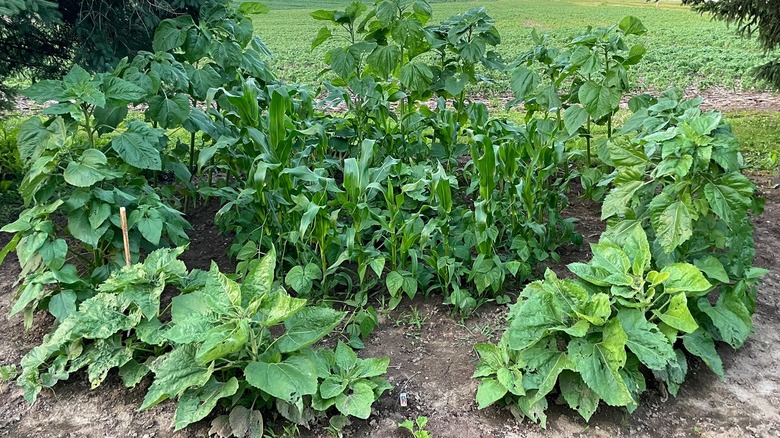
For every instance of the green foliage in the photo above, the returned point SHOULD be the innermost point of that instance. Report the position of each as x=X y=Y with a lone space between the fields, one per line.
x=11 y=169
x=73 y=170
x=366 y=199
x=581 y=86
x=409 y=188
x=360 y=325
x=685 y=49
x=416 y=427
x=595 y=335
x=11 y=172
x=639 y=304
x=353 y=384
x=582 y=83
x=41 y=38
x=88 y=158
x=243 y=346
x=752 y=18
x=679 y=177
x=758 y=133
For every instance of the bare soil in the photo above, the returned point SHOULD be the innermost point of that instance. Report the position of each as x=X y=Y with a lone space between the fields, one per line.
x=433 y=364
x=714 y=98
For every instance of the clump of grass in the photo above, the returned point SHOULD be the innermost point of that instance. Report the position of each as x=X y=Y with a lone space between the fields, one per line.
x=759 y=135
x=11 y=171
x=10 y=207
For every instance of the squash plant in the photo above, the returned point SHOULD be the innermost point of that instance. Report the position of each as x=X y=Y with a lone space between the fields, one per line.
x=593 y=337
x=245 y=346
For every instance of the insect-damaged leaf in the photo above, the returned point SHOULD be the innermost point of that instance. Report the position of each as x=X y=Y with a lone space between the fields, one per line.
x=196 y=403
x=288 y=380
x=645 y=340
x=600 y=363
x=174 y=373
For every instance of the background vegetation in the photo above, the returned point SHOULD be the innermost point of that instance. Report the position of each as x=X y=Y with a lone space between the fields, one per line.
x=684 y=48
x=40 y=38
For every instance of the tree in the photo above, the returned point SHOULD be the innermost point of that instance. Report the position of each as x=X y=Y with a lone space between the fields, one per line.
x=752 y=17
x=41 y=38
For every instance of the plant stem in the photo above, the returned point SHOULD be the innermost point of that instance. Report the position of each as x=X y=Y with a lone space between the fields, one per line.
x=192 y=153
x=587 y=141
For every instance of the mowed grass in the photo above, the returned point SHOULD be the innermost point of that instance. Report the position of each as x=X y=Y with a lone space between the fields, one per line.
x=684 y=48
x=759 y=136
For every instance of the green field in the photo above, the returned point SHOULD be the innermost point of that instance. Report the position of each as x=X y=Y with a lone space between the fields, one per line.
x=684 y=48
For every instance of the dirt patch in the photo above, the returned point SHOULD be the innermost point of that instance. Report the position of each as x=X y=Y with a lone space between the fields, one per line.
x=714 y=98
x=207 y=244
x=433 y=366
x=531 y=24
x=432 y=361
x=724 y=99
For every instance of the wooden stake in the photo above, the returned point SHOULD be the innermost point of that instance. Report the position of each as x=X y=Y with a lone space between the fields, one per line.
x=123 y=218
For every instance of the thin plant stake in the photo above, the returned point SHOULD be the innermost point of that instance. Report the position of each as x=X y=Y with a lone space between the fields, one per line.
x=123 y=218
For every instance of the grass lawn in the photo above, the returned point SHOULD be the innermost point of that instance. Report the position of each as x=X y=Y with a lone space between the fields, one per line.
x=684 y=48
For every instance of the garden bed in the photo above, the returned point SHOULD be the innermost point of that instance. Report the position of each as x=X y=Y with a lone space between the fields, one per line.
x=431 y=359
